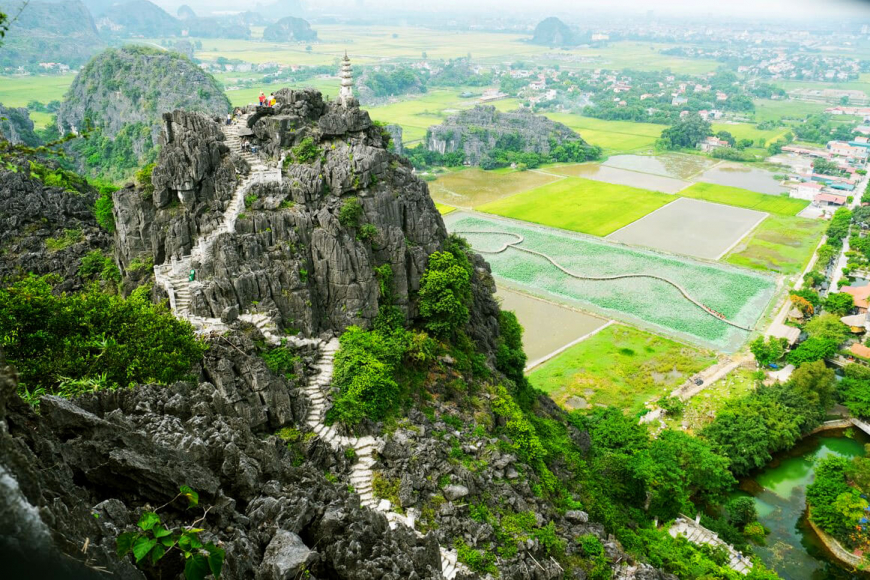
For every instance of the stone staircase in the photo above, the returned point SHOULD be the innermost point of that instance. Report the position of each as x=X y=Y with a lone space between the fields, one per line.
x=698 y=534
x=174 y=277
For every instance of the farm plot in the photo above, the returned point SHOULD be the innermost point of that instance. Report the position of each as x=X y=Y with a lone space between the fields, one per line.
x=740 y=296
x=617 y=176
x=474 y=186
x=620 y=366
x=691 y=227
x=744 y=198
x=780 y=244
x=580 y=205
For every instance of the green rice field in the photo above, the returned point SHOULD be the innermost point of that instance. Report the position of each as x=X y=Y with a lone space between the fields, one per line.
x=473 y=187
x=444 y=209
x=620 y=366
x=749 y=131
x=744 y=198
x=767 y=110
x=738 y=294
x=781 y=244
x=612 y=136
x=580 y=205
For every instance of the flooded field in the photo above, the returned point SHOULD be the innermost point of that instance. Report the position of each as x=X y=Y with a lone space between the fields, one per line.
x=599 y=172
x=674 y=165
x=750 y=178
x=548 y=327
x=691 y=227
x=472 y=187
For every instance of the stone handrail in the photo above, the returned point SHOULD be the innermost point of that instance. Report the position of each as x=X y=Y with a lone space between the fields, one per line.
x=680 y=289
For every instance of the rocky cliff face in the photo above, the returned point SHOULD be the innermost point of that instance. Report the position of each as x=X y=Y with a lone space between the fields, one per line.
x=482 y=129
x=44 y=228
x=16 y=126
x=292 y=255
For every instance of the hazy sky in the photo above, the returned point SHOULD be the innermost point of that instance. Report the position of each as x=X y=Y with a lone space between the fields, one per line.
x=573 y=9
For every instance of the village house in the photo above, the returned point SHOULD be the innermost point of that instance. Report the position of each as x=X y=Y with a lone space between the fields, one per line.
x=720 y=96
x=829 y=200
x=538 y=85
x=860 y=294
x=492 y=95
x=806 y=190
x=677 y=101
x=711 y=143
x=848 y=150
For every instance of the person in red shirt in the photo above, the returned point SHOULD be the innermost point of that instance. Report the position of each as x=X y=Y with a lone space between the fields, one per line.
x=262 y=98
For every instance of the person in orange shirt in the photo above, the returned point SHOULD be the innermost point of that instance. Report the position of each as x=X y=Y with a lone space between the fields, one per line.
x=262 y=98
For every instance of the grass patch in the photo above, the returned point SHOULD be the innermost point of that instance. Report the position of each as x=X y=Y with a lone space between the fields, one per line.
x=739 y=197
x=620 y=366
x=473 y=187
x=749 y=131
x=580 y=205
x=768 y=110
x=780 y=243
x=700 y=409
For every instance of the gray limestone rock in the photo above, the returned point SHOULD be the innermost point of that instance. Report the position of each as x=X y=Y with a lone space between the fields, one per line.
x=285 y=558
x=454 y=492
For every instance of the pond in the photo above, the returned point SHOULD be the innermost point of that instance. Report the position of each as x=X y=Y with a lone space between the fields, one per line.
x=675 y=165
x=736 y=175
x=619 y=176
x=792 y=548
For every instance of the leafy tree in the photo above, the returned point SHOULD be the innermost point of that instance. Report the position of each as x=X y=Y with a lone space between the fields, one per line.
x=445 y=293
x=815 y=383
x=839 y=303
x=767 y=351
x=854 y=390
x=828 y=327
x=686 y=133
x=812 y=349
x=741 y=511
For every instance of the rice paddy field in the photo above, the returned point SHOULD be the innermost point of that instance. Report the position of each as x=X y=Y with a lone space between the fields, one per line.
x=580 y=205
x=615 y=175
x=473 y=187
x=612 y=136
x=768 y=110
x=749 y=131
x=781 y=244
x=744 y=198
x=620 y=366
x=691 y=227
x=738 y=294
x=444 y=209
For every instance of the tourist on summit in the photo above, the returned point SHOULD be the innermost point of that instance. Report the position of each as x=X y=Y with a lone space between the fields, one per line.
x=262 y=98
x=229 y=118
x=271 y=99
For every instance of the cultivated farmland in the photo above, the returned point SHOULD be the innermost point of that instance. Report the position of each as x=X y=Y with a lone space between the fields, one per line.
x=691 y=227
x=474 y=186
x=580 y=205
x=619 y=366
x=781 y=244
x=744 y=198
x=740 y=295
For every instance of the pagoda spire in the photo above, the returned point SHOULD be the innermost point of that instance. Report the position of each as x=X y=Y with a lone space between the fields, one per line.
x=346 y=93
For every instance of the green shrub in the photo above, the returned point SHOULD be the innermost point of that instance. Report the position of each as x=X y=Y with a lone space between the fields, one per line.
x=143 y=178
x=350 y=213
x=250 y=199
x=103 y=210
x=445 y=295
x=281 y=360
x=53 y=340
x=306 y=151
x=68 y=238
x=480 y=561
x=367 y=232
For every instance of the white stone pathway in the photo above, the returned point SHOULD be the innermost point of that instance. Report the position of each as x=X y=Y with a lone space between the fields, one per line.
x=174 y=278
x=698 y=534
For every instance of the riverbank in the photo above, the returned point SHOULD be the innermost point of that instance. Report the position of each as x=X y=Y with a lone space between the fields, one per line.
x=835 y=548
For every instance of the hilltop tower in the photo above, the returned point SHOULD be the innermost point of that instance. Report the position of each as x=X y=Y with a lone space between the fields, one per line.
x=346 y=74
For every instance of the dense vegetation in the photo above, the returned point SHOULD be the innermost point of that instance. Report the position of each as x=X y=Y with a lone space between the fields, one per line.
x=72 y=343
x=838 y=500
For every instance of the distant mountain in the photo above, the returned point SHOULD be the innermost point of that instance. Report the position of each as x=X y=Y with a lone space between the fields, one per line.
x=289 y=30
x=61 y=32
x=138 y=18
x=281 y=9
x=185 y=12
x=224 y=27
x=553 y=32
x=121 y=95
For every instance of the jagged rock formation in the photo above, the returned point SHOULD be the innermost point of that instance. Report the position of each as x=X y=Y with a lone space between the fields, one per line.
x=480 y=130
x=123 y=92
x=62 y=32
x=289 y=29
x=287 y=255
x=138 y=18
x=395 y=132
x=17 y=127
x=45 y=229
x=553 y=32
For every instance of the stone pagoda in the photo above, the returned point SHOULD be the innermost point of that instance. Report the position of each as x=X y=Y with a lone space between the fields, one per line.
x=345 y=95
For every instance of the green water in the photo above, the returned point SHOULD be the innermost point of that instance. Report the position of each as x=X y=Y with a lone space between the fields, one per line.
x=780 y=496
